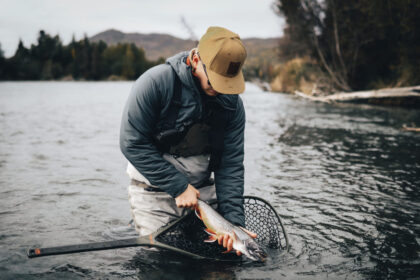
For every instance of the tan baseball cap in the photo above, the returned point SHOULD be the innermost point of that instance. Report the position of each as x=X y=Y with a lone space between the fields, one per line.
x=223 y=54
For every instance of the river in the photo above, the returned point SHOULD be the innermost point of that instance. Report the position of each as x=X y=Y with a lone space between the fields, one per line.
x=345 y=180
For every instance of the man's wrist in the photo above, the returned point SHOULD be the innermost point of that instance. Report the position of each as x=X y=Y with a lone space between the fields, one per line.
x=180 y=191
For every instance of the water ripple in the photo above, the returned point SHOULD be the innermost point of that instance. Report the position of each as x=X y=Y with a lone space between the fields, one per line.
x=345 y=180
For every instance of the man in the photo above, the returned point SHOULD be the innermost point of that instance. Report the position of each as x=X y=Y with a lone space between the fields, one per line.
x=184 y=120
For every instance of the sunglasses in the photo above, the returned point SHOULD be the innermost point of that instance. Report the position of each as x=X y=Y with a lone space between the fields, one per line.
x=205 y=70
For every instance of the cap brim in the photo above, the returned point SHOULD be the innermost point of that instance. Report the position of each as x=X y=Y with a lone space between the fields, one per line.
x=227 y=85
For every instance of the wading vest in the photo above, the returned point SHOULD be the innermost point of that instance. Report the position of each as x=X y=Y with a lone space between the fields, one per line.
x=203 y=137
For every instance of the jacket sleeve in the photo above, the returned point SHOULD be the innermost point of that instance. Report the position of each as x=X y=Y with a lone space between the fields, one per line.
x=229 y=178
x=139 y=119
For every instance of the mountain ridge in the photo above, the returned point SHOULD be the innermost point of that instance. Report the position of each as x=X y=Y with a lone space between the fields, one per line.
x=164 y=45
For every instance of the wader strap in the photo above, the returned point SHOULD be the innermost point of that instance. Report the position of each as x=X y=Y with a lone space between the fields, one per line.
x=219 y=121
x=176 y=99
x=169 y=131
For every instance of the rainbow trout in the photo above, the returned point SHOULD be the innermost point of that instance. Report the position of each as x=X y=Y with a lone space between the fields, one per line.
x=217 y=225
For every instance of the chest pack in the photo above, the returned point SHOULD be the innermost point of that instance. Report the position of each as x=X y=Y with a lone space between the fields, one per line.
x=205 y=136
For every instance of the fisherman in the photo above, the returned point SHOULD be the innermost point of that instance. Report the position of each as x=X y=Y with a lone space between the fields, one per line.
x=182 y=132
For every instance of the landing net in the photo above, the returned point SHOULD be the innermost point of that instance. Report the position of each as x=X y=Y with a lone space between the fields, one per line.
x=260 y=218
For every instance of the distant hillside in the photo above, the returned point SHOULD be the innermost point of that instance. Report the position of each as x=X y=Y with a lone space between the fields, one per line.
x=157 y=45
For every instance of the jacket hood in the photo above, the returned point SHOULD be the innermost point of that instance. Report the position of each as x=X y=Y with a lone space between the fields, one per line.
x=181 y=68
x=177 y=62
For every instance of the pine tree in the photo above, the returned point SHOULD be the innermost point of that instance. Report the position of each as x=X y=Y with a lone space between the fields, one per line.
x=2 y=64
x=128 y=69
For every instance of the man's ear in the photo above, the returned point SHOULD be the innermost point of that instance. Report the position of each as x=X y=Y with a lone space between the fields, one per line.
x=195 y=59
x=194 y=64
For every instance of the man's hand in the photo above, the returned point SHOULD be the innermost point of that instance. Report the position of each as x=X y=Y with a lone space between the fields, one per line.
x=227 y=242
x=188 y=199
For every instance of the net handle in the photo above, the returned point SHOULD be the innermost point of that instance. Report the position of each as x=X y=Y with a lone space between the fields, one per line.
x=146 y=241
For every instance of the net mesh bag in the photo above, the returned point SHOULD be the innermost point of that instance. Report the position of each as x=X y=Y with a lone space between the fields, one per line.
x=260 y=218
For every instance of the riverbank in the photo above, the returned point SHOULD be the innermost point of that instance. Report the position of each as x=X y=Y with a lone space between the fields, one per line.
x=304 y=77
x=403 y=97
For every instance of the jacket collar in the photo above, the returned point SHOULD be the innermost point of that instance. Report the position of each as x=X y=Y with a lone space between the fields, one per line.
x=179 y=63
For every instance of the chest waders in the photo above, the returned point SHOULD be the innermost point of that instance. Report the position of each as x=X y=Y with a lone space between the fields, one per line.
x=203 y=137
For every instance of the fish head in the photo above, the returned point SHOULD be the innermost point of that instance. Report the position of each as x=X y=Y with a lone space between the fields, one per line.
x=253 y=251
x=247 y=245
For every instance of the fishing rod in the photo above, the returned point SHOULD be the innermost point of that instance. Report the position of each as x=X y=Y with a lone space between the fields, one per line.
x=185 y=235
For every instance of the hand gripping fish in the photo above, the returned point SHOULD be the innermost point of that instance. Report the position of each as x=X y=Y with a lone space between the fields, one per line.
x=217 y=226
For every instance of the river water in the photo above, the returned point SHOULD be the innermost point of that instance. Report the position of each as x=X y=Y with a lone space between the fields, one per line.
x=344 y=178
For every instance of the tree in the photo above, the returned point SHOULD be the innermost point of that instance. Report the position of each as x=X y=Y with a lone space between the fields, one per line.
x=358 y=43
x=48 y=59
x=128 y=69
x=84 y=56
x=306 y=27
x=2 y=64
x=22 y=66
x=97 y=61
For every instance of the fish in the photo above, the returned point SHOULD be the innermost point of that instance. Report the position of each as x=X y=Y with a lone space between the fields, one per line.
x=216 y=226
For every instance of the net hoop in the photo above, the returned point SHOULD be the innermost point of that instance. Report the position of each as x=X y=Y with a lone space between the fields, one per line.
x=186 y=236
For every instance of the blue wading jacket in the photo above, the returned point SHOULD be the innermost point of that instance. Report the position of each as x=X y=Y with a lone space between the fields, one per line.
x=144 y=115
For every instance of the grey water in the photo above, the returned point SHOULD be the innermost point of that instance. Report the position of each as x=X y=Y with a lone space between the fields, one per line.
x=345 y=180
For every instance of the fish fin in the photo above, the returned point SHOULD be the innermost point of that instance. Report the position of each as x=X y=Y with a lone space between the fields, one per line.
x=209 y=231
x=198 y=214
x=235 y=236
x=211 y=238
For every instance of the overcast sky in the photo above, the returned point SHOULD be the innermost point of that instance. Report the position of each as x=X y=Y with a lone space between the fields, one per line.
x=24 y=18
